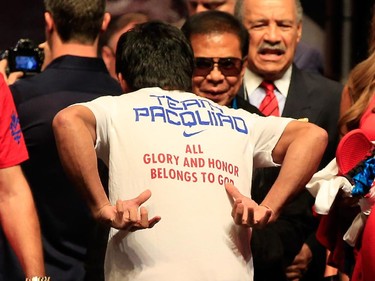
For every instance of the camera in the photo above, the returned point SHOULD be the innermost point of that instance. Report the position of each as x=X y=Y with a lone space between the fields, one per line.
x=25 y=56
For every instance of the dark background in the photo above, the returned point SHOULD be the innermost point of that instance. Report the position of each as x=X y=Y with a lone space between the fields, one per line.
x=21 y=19
x=24 y=19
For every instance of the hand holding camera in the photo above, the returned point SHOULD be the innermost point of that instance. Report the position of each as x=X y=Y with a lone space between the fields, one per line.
x=23 y=60
x=9 y=78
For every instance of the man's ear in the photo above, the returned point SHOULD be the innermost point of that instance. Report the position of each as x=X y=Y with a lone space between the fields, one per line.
x=106 y=20
x=124 y=85
x=49 y=21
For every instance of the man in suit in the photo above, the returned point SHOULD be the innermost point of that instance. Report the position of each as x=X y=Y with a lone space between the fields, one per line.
x=275 y=28
x=75 y=74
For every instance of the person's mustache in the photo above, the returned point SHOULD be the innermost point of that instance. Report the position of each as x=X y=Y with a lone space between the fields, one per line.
x=278 y=48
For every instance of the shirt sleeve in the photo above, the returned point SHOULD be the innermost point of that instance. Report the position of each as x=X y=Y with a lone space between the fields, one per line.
x=101 y=108
x=12 y=144
x=267 y=133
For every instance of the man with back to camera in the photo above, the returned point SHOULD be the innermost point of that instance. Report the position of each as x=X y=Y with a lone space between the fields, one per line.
x=275 y=28
x=163 y=140
x=75 y=74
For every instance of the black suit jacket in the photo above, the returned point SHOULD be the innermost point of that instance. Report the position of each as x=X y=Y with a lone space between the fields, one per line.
x=317 y=98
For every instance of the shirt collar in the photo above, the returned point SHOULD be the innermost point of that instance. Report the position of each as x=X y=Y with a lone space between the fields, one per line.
x=252 y=81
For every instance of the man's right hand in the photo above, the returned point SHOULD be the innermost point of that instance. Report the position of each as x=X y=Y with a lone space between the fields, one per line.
x=128 y=214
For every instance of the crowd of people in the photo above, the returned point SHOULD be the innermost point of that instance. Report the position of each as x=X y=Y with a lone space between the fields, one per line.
x=145 y=150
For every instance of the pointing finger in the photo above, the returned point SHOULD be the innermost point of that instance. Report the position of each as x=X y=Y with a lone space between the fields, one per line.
x=143 y=197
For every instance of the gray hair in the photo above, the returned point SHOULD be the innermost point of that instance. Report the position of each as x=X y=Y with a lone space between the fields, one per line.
x=238 y=10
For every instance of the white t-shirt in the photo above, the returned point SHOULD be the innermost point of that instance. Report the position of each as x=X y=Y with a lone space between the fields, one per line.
x=183 y=148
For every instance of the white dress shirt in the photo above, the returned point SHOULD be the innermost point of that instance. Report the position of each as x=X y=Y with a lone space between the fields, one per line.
x=255 y=94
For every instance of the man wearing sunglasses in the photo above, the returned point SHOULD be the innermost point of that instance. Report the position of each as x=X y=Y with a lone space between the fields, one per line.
x=220 y=44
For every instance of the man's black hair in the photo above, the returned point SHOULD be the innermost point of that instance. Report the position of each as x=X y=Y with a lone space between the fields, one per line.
x=155 y=54
x=217 y=22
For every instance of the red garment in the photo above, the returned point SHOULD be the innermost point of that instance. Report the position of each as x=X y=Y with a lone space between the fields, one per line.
x=12 y=144
x=364 y=268
x=333 y=226
x=331 y=230
x=367 y=122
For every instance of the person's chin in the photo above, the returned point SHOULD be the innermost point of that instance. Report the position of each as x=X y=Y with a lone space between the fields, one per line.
x=213 y=96
x=270 y=57
x=266 y=69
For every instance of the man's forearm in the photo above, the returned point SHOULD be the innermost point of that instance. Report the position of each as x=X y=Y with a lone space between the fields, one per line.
x=21 y=225
x=300 y=162
x=75 y=144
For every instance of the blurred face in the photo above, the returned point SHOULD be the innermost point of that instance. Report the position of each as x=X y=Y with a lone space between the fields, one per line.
x=219 y=68
x=197 y=6
x=274 y=34
x=109 y=51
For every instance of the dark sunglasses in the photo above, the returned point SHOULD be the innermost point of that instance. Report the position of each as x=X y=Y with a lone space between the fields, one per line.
x=227 y=66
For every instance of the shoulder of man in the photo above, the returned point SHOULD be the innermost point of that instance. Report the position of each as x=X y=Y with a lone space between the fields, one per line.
x=314 y=81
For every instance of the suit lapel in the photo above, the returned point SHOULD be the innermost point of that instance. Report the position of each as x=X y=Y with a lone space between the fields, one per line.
x=298 y=102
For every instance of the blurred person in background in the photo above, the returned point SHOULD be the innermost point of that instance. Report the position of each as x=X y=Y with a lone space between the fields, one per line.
x=171 y=11
x=108 y=39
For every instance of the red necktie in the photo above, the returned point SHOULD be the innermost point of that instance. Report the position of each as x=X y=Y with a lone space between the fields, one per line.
x=269 y=105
